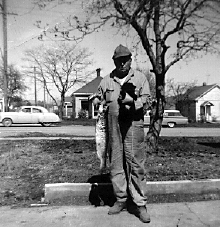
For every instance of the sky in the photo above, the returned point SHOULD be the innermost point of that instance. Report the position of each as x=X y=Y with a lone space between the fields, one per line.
x=23 y=34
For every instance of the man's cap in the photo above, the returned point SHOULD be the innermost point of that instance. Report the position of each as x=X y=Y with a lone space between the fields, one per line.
x=121 y=51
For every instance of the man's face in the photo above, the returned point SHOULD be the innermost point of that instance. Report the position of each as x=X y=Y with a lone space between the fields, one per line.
x=123 y=64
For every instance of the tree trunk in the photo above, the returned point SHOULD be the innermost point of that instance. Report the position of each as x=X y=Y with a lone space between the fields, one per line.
x=61 y=107
x=156 y=116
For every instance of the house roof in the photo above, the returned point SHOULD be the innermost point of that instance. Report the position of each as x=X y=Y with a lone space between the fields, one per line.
x=207 y=103
x=198 y=91
x=90 y=88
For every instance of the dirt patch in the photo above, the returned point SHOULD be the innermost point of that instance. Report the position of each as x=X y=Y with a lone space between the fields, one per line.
x=27 y=165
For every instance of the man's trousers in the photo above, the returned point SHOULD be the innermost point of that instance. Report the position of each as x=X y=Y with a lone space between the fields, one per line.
x=128 y=156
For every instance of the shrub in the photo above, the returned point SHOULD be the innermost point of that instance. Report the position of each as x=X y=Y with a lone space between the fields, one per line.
x=214 y=118
x=83 y=114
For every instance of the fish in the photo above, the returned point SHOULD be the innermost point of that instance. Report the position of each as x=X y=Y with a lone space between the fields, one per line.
x=102 y=136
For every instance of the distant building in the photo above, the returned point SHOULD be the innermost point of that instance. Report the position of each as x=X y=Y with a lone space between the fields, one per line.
x=201 y=103
x=80 y=98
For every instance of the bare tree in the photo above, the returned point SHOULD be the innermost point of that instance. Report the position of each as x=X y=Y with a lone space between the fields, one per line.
x=62 y=65
x=15 y=86
x=176 y=91
x=168 y=31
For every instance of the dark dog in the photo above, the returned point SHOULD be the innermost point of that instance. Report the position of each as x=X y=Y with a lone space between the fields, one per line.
x=101 y=190
x=127 y=88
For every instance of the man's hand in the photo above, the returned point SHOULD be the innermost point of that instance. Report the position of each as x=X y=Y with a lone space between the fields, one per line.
x=96 y=101
x=127 y=99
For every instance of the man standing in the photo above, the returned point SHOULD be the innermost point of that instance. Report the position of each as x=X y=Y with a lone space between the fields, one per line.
x=127 y=94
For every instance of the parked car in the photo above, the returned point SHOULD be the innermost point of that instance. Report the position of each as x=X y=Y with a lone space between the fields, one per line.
x=29 y=115
x=170 y=118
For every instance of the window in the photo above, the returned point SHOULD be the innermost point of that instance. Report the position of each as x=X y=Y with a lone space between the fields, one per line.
x=96 y=109
x=172 y=114
x=84 y=105
x=36 y=110
x=26 y=110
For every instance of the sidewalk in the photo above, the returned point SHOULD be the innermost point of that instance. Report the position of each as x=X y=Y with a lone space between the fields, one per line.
x=197 y=214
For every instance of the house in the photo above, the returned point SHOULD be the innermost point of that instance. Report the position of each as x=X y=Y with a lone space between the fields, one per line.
x=80 y=98
x=201 y=103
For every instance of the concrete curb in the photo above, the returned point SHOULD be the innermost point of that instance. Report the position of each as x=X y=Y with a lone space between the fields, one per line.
x=61 y=190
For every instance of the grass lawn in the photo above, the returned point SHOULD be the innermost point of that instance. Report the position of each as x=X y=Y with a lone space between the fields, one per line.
x=26 y=165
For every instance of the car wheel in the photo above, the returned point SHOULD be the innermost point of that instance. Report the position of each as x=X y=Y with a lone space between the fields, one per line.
x=46 y=124
x=7 y=122
x=171 y=124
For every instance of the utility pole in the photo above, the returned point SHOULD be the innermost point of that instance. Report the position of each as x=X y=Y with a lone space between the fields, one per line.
x=35 y=86
x=44 y=93
x=5 y=57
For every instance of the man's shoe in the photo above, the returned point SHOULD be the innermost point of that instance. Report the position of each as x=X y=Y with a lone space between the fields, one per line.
x=143 y=215
x=117 y=208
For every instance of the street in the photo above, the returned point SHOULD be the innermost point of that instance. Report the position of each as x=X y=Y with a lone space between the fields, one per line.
x=72 y=130
x=77 y=130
